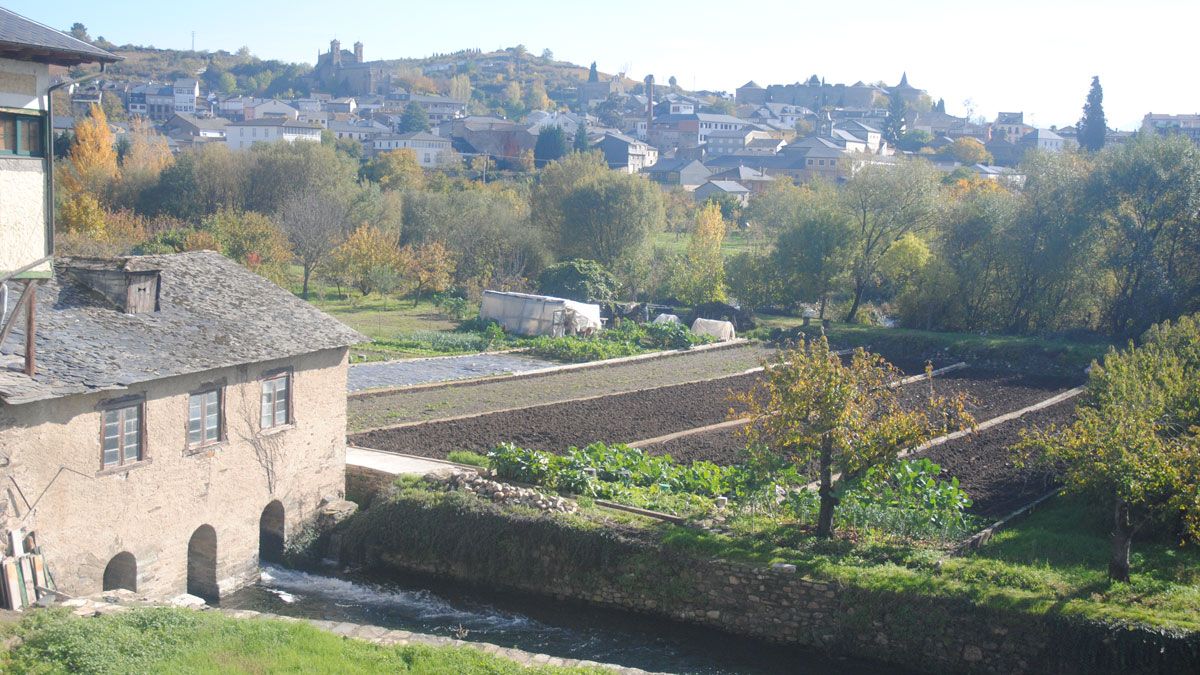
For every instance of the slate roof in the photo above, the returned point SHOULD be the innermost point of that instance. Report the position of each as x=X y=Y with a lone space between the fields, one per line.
x=27 y=40
x=213 y=313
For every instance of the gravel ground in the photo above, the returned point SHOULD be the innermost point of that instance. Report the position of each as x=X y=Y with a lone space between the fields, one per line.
x=399 y=407
x=421 y=371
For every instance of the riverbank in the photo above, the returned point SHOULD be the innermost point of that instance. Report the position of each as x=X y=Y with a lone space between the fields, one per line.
x=916 y=607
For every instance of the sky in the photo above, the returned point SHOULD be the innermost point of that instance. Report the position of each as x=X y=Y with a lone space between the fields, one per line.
x=981 y=57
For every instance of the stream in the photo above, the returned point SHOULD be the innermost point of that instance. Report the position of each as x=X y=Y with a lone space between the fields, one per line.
x=534 y=624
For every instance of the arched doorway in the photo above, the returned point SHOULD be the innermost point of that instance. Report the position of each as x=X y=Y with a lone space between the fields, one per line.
x=202 y=564
x=121 y=572
x=271 y=533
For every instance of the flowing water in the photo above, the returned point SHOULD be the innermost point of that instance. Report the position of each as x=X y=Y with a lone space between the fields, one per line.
x=565 y=629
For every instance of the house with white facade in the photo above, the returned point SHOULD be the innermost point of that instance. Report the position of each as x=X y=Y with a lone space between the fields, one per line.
x=242 y=135
x=430 y=150
x=185 y=91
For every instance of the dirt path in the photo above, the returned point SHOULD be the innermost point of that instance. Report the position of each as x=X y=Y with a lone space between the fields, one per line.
x=413 y=406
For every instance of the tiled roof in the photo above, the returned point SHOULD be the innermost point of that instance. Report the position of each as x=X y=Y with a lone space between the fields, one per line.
x=23 y=39
x=213 y=313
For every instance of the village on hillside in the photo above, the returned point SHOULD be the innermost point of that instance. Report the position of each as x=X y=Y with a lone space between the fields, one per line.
x=487 y=362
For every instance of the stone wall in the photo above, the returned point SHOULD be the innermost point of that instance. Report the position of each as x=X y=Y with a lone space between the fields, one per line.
x=84 y=515
x=774 y=603
x=363 y=484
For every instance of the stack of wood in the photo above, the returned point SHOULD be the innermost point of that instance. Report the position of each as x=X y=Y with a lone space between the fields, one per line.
x=24 y=577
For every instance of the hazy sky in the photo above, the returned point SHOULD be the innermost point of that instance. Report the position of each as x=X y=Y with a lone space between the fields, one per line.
x=1035 y=56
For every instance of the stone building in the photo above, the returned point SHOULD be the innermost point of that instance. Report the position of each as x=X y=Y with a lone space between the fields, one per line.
x=185 y=418
x=346 y=73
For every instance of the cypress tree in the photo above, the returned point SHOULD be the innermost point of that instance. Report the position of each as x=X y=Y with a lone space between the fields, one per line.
x=1092 y=125
x=593 y=74
x=581 y=138
x=894 y=128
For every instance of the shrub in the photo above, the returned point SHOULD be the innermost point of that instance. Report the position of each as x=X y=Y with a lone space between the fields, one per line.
x=580 y=280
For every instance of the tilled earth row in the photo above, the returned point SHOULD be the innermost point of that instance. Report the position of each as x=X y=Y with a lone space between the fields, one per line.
x=650 y=413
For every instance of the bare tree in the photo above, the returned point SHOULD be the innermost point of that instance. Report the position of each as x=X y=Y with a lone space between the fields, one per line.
x=314 y=223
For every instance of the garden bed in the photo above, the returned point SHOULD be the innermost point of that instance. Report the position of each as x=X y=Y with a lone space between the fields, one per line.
x=655 y=412
x=990 y=396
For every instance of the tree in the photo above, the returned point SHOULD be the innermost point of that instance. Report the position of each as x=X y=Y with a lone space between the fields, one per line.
x=812 y=256
x=253 y=240
x=580 y=280
x=114 y=109
x=580 y=143
x=79 y=32
x=314 y=224
x=551 y=145
x=396 y=170
x=427 y=267
x=547 y=55
x=81 y=214
x=702 y=278
x=610 y=217
x=814 y=410
x=1092 y=126
x=672 y=82
x=460 y=87
x=280 y=172
x=969 y=151
x=593 y=74
x=914 y=139
x=723 y=106
x=1147 y=193
x=414 y=118
x=886 y=203
x=535 y=96
x=93 y=166
x=893 y=127
x=555 y=183
x=1135 y=445
x=940 y=106
x=368 y=260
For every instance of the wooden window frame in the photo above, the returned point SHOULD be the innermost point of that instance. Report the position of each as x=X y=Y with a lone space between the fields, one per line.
x=138 y=402
x=21 y=120
x=206 y=388
x=274 y=374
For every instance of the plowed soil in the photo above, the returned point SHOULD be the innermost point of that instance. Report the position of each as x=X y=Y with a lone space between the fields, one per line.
x=639 y=415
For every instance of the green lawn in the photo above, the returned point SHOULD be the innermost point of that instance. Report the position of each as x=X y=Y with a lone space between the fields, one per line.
x=735 y=242
x=163 y=640
x=1053 y=561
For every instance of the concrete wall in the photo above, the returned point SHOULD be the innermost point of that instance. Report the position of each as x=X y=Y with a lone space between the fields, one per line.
x=22 y=212
x=23 y=84
x=151 y=509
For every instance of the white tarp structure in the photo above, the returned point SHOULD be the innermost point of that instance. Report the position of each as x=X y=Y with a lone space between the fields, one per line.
x=531 y=315
x=721 y=330
x=666 y=318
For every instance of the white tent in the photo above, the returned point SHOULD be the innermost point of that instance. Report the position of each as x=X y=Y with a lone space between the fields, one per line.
x=525 y=314
x=721 y=330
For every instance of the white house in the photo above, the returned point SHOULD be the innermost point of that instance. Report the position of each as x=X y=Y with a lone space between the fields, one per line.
x=242 y=135
x=269 y=109
x=186 y=91
x=430 y=150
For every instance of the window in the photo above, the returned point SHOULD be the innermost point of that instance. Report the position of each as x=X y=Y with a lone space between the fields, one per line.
x=204 y=418
x=276 y=401
x=21 y=135
x=122 y=435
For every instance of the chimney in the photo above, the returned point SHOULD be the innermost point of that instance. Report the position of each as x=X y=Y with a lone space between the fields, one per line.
x=358 y=52
x=335 y=49
x=129 y=291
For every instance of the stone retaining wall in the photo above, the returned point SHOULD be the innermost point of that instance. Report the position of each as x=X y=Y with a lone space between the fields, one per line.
x=363 y=484
x=778 y=604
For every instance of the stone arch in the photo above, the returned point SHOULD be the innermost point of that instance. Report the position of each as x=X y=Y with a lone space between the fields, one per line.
x=202 y=564
x=121 y=572
x=271 y=533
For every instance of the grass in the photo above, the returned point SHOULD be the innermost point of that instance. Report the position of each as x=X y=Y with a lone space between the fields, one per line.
x=1053 y=352
x=1054 y=561
x=735 y=242
x=167 y=640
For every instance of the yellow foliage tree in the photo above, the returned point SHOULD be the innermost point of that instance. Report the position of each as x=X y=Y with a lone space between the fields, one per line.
x=702 y=278
x=146 y=158
x=253 y=240
x=93 y=158
x=369 y=260
x=396 y=170
x=81 y=214
x=427 y=267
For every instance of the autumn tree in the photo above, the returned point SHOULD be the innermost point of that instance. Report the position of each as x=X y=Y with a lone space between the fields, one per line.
x=93 y=159
x=460 y=87
x=252 y=239
x=368 y=259
x=702 y=278
x=396 y=170
x=535 y=96
x=427 y=267
x=1135 y=443
x=817 y=412
x=314 y=224
x=969 y=151
x=144 y=162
